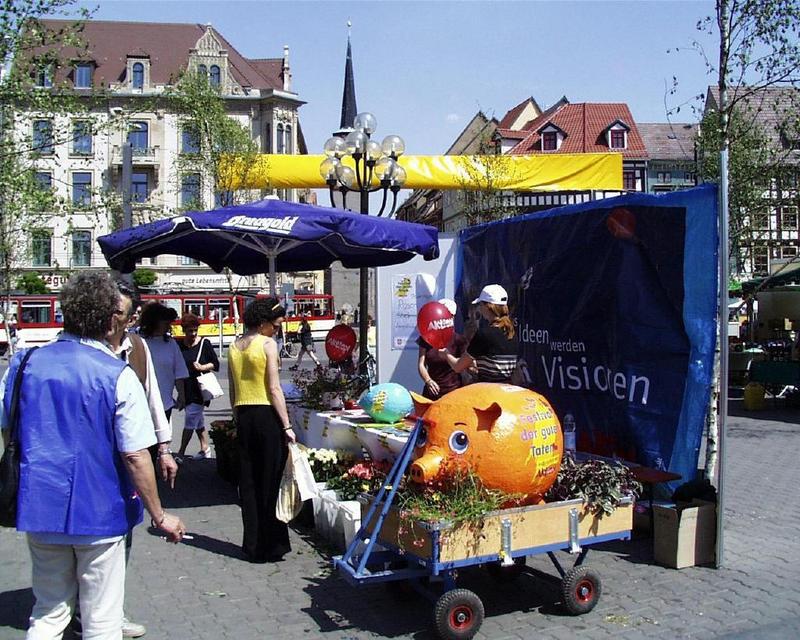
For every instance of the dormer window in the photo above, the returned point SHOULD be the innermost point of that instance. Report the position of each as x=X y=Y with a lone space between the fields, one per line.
x=44 y=76
x=617 y=135
x=83 y=75
x=202 y=70
x=137 y=75
x=551 y=137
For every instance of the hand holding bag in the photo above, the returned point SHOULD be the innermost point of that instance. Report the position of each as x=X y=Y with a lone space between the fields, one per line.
x=9 y=463
x=208 y=383
x=297 y=485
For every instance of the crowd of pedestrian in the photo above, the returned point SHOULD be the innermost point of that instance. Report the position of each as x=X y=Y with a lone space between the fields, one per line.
x=93 y=427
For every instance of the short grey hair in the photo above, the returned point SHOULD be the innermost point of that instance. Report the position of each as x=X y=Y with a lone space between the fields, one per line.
x=88 y=302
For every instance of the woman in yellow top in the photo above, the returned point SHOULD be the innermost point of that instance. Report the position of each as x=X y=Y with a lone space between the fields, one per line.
x=264 y=429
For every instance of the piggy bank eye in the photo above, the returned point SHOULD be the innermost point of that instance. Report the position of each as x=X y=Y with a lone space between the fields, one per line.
x=422 y=438
x=459 y=441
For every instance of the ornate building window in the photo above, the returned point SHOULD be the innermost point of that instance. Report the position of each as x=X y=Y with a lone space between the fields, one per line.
x=82 y=189
x=137 y=135
x=190 y=190
x=81 y=248
x=280 y=140
x=139 y=186
x=190 y=141
x=41 y=248
x=42 y=142
x=82 y=138
x=214 y=76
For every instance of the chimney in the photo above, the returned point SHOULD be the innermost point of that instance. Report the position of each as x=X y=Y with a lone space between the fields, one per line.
x=286 y=74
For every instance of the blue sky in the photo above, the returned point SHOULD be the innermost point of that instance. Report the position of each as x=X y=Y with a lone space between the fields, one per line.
x=425 y=68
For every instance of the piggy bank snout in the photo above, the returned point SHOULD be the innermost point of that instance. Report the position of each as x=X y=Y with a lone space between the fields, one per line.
x=425 y=468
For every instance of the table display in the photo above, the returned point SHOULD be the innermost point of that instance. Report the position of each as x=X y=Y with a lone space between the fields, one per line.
x=350 y=430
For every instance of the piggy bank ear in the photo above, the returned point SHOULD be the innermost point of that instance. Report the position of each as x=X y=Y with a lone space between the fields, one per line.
x=488 y=416
x=421 y=403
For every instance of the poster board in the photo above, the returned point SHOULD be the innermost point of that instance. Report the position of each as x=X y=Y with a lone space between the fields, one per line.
x=399 y=292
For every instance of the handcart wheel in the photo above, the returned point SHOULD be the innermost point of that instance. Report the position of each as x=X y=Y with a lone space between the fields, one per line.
x=458 y=614
x=502 y=574
x=581 y=589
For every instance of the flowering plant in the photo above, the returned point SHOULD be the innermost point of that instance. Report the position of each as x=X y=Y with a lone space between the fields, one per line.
x=223 y=430
x=363 y=477
x=327 y=464
x=315 y=386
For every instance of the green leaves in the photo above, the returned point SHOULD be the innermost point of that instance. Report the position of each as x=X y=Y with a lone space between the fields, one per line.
x=600 y=484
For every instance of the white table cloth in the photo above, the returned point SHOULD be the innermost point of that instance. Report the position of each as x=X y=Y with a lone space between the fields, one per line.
x=347 y=430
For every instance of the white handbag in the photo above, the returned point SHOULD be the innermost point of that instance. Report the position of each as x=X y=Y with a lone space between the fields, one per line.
x=207 y=381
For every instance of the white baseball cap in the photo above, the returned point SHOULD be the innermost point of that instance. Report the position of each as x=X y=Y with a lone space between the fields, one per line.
x=450 y=305
x=493 y=294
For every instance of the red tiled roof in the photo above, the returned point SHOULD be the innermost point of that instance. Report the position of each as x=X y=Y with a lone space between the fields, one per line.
x=585 y=125
x=512 y=133
x=108 y=45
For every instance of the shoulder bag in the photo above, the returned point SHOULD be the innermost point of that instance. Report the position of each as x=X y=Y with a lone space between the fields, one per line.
x=9 y=463
x=207 y=381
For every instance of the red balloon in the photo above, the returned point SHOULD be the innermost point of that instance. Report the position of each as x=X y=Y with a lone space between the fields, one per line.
x=340 y=342
x=435 y=324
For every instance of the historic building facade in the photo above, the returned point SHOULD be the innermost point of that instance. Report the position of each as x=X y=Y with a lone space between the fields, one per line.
x=122 y=75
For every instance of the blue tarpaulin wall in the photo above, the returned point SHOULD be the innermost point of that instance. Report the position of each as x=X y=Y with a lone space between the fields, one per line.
x=615 y=306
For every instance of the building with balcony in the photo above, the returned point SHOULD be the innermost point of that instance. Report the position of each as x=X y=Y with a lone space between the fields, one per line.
x=122 y=75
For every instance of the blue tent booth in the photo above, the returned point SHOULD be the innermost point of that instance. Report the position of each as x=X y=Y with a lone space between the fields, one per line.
x=270 y=236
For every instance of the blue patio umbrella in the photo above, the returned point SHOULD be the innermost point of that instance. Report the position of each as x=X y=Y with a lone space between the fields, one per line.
x=273 y=235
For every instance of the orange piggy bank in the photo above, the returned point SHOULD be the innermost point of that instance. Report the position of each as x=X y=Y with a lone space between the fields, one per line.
x=509 y=436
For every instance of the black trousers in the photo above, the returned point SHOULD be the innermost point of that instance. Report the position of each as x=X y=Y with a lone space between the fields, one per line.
x=262 y=455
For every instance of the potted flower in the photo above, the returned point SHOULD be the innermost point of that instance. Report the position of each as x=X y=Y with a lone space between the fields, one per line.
x=322 y=388
x=223 y=435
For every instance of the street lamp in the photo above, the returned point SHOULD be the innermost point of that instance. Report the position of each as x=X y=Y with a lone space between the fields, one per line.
x=360 y=165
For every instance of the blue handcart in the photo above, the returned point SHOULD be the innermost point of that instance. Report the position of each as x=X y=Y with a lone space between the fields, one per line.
x=434 y=552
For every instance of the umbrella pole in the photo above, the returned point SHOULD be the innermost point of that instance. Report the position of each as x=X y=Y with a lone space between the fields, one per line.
x=273 y=277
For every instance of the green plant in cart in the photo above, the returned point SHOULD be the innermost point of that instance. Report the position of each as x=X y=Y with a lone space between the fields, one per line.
x=601 y=485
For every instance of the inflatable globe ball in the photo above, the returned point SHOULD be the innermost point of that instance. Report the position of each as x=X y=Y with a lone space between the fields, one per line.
x=387 y=402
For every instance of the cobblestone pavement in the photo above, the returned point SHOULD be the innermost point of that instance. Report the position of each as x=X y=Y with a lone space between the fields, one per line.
x=202 y=589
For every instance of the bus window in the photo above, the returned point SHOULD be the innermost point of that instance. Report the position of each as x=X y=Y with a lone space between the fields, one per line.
x=195 y=306
x=35 y=312
x=173 y=303
x=59 y=314
x=219 y=308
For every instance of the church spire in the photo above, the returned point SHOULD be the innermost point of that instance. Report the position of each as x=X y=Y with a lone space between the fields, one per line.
x=349 y=109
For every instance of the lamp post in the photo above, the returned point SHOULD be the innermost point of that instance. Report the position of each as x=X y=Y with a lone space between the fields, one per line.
x=361 y=165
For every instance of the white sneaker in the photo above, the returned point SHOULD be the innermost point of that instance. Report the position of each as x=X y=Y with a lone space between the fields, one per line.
x=132 y=629
x=202 y=455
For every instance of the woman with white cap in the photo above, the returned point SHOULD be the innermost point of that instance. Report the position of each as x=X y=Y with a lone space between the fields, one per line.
x=433 y=367
x=494 y=348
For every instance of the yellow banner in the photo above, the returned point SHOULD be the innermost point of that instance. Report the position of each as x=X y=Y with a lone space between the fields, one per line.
x=557 y=172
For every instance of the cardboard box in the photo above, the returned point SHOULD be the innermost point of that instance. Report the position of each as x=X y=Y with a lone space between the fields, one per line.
x=641 y=515
x=685 y=535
